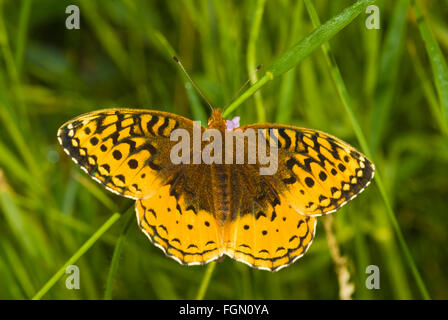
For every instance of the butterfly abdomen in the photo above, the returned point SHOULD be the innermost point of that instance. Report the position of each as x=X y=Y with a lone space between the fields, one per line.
x=220 y=175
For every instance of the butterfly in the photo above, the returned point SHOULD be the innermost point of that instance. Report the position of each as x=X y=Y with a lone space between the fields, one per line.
x=198 y=212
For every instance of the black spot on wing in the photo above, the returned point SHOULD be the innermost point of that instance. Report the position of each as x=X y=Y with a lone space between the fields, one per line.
x=290 y=180
x=309 y=182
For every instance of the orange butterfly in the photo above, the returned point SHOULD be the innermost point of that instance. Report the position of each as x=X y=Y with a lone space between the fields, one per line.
x=196 y=213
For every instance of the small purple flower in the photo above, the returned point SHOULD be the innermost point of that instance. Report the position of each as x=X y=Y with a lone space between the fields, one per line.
x=233 y=124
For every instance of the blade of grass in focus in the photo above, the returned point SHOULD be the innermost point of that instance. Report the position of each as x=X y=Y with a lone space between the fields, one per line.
x=438 y=62
x=286 y=96
x=428 y=89
x=86 y=246
x=302 y=49
x=251 y=57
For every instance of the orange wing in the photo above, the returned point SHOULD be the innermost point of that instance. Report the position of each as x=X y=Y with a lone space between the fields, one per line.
x=317 y=173
x=186 y=233
x=126 y=150
x=269 y=239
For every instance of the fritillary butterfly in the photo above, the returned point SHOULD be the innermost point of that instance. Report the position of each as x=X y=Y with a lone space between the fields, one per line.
x=197 y=213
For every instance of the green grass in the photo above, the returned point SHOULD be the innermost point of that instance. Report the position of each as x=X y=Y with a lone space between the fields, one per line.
x=384 y=91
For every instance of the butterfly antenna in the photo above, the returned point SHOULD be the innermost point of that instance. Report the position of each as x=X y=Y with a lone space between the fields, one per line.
x=244 y=85
x=192 y=82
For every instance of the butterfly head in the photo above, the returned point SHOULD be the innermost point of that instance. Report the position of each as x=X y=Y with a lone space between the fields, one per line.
x=216 y=120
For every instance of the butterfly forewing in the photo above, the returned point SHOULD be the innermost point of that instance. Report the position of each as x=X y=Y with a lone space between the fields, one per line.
x=126 y=150
x=317 y=173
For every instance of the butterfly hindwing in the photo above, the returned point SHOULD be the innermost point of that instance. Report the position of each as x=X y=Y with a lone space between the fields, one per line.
x=269 y=238
x=187 y=233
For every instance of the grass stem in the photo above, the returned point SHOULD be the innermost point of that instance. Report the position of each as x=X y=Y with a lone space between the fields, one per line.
x=78 y=254
x=206 y=280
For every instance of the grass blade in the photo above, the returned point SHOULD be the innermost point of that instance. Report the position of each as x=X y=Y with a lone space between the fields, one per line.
x=302 y=49
x=428 y=90
x=251 y=64
x=22 y=33
x=117 y=252
x=78 y=254
x=438 y=62
x=285 y=106
x=206 y=280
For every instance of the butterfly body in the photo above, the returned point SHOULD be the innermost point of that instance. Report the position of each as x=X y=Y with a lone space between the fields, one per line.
x=198 y=212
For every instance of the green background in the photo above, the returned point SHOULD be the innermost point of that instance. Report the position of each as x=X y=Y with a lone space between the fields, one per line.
x=397 y=86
